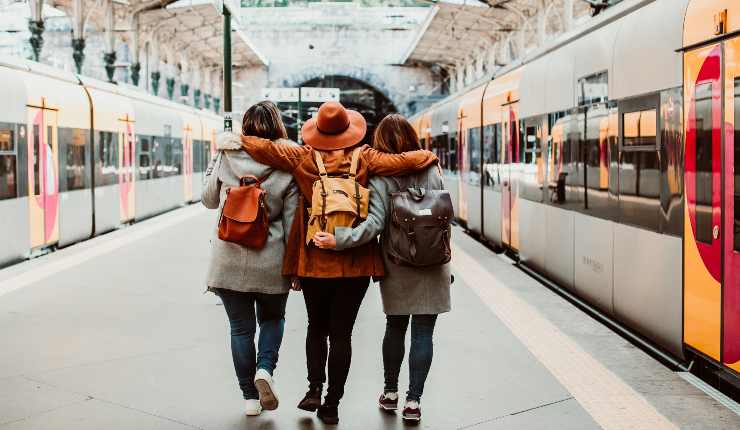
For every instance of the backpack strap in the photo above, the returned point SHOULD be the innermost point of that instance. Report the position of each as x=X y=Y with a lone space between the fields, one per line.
x=320 y=163
x=353 y=175
x=355 y=162
x=322 y=177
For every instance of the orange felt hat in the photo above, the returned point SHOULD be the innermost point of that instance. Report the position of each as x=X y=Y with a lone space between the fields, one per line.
x=334 y=127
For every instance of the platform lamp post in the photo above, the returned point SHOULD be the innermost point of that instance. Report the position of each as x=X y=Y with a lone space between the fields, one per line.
x=227 y=67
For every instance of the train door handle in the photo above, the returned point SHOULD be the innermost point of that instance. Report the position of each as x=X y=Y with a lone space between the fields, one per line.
x=715 y=232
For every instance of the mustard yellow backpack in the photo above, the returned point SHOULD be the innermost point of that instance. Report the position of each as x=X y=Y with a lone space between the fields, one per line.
x=337 y=201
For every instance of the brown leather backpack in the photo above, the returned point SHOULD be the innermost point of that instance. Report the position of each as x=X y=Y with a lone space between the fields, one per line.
x=336 y=201
x=419 y=228
x=244 y=218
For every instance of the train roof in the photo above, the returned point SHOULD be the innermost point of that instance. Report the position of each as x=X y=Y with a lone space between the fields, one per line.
x=635 y=41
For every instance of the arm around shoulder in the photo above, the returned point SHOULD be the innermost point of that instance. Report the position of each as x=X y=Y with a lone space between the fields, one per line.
x=283 y=154
x=348 y=237
x=384 y=164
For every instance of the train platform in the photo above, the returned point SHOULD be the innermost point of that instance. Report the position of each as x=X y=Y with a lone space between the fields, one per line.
x=117 y=333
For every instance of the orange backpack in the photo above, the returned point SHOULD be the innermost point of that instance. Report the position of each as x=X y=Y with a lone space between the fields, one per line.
x=244 y=218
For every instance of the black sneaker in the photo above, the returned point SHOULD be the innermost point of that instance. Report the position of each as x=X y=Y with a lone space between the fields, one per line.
x=312 y=400
x=412 y=411
x=328 y=414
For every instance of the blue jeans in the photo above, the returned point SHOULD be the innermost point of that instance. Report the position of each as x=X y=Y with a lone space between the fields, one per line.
x=240 y=308
x=420 y=356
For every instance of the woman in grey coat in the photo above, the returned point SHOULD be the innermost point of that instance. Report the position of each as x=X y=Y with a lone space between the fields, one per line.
x=408 y=293
x=249 y=281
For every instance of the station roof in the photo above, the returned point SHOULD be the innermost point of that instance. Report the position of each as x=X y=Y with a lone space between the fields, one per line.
x=192 y=25
x=456 y=28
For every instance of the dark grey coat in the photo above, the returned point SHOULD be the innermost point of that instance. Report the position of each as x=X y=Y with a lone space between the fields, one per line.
x=233 y=266
x=405 y=290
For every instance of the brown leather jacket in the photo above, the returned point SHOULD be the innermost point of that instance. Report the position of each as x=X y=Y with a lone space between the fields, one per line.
x=308 y=260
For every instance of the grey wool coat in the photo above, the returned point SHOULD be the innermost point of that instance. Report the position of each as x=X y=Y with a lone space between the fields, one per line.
x=404 y=290
x=232 y=266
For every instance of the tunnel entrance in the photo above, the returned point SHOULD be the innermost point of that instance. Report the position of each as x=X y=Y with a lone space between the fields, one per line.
x=355 y=94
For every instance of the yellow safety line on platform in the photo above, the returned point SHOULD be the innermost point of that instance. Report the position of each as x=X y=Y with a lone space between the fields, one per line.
x=108 y=243
x=611 y=403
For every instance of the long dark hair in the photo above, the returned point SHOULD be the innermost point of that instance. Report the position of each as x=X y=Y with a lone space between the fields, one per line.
x=264 y=120
x=395 y=135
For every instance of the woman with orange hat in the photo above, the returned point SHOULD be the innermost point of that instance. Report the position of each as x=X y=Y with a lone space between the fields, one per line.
x=333 y=282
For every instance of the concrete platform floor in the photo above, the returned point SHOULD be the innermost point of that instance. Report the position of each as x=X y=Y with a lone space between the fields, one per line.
x=116 y=333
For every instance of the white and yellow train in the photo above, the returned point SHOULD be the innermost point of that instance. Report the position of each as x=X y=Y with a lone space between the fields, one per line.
x=80 y=157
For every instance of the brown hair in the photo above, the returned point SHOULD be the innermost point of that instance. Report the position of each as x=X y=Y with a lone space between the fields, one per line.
x=264 y=120
x=395 y=135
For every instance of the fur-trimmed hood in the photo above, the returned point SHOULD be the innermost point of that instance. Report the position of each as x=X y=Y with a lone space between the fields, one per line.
x=238 y=161
x=232 y=142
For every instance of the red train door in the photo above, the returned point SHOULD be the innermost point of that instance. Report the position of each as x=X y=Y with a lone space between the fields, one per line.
x=712 y=180
x=731 y=215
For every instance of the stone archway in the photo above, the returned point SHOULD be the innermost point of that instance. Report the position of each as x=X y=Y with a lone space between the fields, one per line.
x=355 y=94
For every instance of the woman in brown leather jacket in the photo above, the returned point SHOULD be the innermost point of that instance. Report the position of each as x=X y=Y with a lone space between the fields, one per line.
x=333 y=282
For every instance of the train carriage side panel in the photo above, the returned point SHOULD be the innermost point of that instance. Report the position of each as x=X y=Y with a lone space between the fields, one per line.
x=58 y=131
x=444 y=144
x=559 y=235
x=159 y=183
x=647 y=284
x=210 y=126
x=470 y=143
x=191 y=133
x=593 y=226
x=114 y=125
x=13 y=166
x=532 y=209
x=498 y=93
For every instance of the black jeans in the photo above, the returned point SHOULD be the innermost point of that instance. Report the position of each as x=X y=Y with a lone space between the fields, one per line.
x=420 y=356
x=240 y=307
x=332 y=306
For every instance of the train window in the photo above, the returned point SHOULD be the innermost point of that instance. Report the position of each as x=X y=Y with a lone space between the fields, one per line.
x=640 y=128
x=197 y=156
x=175 y=166
x=8 y=179
x=145 y=159
x=107 y=168
x=593 y=89
x=453 y=153
x=74 y=140
x=737 y=166
x=596 y=148
x=491 y=148
x=530 y=144
x=474 y=153
x=639 y=189
x=36 y=161
x=671 y=161
x=704 y=181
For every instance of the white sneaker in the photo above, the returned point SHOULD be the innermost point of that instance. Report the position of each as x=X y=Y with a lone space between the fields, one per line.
x=411 y=411
x=264 y=383
x=253 y=408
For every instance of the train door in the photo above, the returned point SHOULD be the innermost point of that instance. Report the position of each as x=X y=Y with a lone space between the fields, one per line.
x=509 y=231
x=707 y=242
x=462 y=166
x=731 y=215
x=126 y=169
x=43 y=175
x=187 y=162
